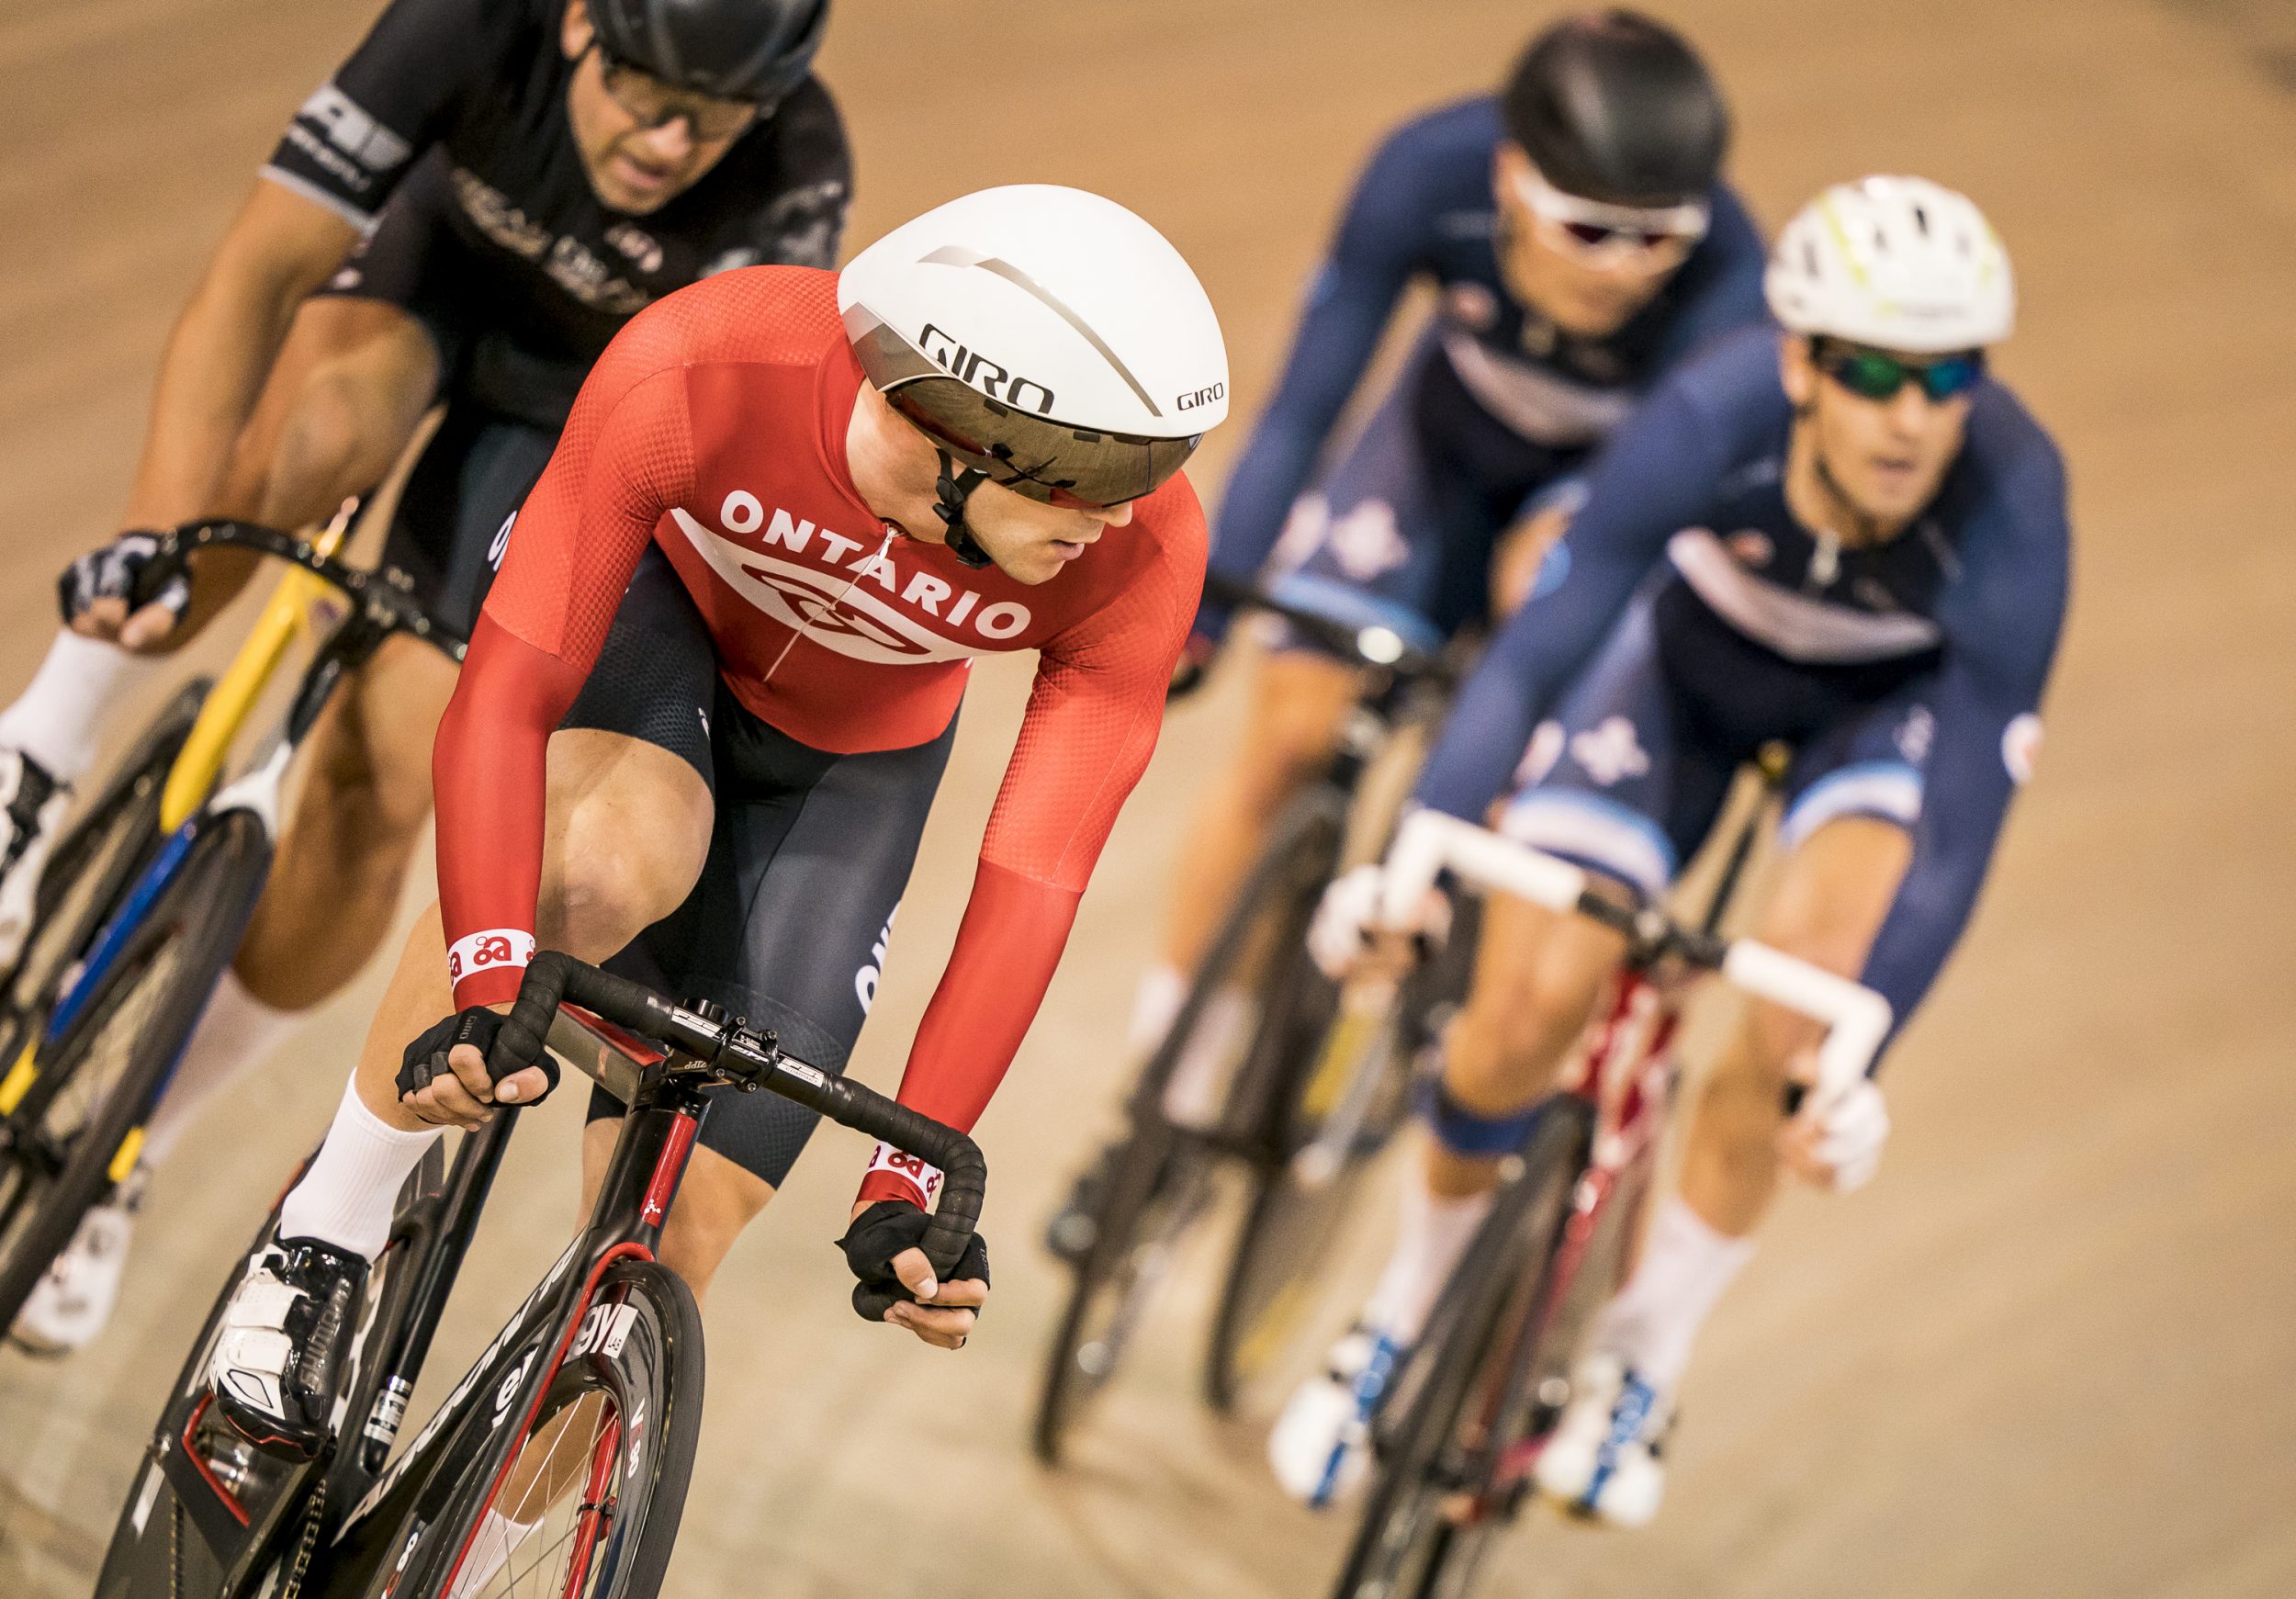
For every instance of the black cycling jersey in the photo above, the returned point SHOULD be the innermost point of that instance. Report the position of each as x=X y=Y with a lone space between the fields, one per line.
x=483 y=83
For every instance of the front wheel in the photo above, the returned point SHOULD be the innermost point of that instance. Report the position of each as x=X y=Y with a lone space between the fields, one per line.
x=1427 y=1515
x=587 y=1506
x=76 y=1124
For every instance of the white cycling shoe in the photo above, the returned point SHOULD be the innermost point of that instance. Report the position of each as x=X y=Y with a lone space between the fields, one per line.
x=32 y=807
x=1602 y=1460
x=1321 y=1447
x=279 y=1356
x=77 y=1297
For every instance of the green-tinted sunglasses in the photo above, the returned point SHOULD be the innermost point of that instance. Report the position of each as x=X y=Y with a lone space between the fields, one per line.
x=1871 y=375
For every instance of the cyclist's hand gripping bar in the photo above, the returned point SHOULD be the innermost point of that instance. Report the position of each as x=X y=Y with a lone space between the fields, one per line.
x=749 y=1058
x=1429 y=843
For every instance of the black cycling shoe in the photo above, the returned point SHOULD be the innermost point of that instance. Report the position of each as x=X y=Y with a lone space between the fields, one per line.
x=279 y=1358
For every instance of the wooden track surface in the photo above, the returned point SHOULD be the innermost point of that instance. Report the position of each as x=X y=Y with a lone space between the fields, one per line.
x=2049 y=1353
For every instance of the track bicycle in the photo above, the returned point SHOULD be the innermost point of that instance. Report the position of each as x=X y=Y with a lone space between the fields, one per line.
x=1471 y=1403
x=147 y=896
x=1308 y=1093
x=558 y=1464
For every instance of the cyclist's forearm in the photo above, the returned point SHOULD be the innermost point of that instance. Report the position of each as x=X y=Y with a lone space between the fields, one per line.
x=1007 y=948
x=490 y=772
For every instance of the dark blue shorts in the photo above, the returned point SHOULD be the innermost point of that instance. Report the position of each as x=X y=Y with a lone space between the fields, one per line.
x=1399 y=531
x=1628 y=775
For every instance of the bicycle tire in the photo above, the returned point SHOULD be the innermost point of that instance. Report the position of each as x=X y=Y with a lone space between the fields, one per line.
x=645 y=1365
x=1102 y=1294
x=1403 y=1541
x=98 y=855
x=1159 y=1183
x=1290 y=1221
x=136 y=1023
x=149 y=1551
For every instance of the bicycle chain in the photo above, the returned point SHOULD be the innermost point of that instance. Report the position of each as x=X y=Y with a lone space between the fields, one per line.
x=309 y=1540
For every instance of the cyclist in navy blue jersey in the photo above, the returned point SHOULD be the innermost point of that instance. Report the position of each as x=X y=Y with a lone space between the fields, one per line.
x=1581 y=243
x=465 y=212
x=1848 y=539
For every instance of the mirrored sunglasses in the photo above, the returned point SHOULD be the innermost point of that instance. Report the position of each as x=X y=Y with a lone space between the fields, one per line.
x=1871 y=375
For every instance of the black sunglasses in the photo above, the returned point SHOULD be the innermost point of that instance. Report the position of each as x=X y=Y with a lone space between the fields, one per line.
x=1870 y=375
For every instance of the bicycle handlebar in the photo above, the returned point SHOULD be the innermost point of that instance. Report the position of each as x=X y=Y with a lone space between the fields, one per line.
x=1372 y=646
x=754 y=1059
x=1429 y=842
x=368 y=589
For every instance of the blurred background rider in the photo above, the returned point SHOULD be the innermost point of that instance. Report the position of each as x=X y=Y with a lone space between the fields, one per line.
x=1580 y=242
x=467 y=210
x=1849 y=539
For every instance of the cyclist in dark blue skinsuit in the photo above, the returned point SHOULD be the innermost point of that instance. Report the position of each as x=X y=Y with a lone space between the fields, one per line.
x=1581 y=243
x=1847 y=539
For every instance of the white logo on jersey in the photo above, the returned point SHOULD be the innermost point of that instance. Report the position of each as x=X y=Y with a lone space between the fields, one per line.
x=1609 y=751
x=1365 y=543
x=351 y=128
x=838 y=607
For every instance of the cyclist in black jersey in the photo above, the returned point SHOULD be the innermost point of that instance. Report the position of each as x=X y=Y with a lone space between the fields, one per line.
x=465 y=211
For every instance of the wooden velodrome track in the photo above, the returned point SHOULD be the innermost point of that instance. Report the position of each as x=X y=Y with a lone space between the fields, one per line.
x=2049 y=1353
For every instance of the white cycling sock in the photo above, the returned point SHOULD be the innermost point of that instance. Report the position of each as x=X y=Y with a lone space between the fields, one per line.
x=1163 y=990
x=1654 y=1321
x=1433 y=1234
x=236 y=1033
x=1199 y=1086
x=347 y=1196
x=59 y=721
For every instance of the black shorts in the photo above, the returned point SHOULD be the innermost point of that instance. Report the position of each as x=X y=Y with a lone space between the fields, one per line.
x=789 y=919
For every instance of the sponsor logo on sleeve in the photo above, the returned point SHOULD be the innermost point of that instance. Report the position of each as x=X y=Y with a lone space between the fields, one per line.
x=481 y=952
x=926 y=1178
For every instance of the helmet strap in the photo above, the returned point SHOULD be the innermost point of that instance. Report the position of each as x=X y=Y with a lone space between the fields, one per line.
x=954 y=489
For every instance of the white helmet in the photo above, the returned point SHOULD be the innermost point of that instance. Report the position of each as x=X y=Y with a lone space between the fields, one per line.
x=1898 y=263
x=1047 y=338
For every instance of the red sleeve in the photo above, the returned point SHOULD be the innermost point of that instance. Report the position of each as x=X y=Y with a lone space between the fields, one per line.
x=1091 y=729
x=625 y=456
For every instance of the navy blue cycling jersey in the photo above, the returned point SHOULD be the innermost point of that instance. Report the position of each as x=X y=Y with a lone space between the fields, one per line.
x=1424 y=208
x=1774 y=632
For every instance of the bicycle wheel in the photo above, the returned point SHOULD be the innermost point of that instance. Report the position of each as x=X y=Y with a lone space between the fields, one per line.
x=157 y=1547
x=1310 y=1179
x=92 y=865
x=587 y=1507
x=76 y=1130
x=1424 y=1522
x=1160 y=1177
x=1159 y=1181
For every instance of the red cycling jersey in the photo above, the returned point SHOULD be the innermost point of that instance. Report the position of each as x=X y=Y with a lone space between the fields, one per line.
x=715 y=426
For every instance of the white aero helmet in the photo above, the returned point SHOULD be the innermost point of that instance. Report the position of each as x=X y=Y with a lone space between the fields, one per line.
x=1046 y=338
x=1898 y=263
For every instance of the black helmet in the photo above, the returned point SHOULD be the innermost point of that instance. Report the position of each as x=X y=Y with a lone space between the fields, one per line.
x=736 y=50
x=1611 y=106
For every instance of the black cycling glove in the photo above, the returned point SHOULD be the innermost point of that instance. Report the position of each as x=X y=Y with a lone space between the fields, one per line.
x=121 y=570
x=883 y=1231
x=425 y=1058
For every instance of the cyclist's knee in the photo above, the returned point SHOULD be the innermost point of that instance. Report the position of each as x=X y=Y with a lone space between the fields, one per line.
x=1299 y=703
x=1537 y=980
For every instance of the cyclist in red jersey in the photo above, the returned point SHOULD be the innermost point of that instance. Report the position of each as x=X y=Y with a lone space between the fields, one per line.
x=713 y=689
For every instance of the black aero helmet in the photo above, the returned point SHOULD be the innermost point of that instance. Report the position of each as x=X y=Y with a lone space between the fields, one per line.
x=735 y=49
x=1613 y=105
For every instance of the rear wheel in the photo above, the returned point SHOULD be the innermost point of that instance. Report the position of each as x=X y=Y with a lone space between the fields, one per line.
x=1427 y=1517
x=589 y=1503
x=76 y=1128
